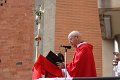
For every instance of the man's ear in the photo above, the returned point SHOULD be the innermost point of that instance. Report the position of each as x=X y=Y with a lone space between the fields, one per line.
x=77 y=37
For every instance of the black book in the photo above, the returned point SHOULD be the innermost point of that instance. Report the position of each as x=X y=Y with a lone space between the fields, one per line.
x=53 y=58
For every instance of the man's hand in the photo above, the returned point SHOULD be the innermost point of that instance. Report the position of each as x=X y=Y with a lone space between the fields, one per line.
x=61 y=65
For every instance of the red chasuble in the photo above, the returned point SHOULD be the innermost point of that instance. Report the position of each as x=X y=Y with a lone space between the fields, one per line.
x=83 y=64
x=43 y=66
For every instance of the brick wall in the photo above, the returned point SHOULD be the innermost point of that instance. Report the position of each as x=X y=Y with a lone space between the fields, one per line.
x=16 y=40
x=16 y=33
x=81 y=15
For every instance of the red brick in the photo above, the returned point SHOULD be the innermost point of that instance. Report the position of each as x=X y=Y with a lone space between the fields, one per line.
x=16 y=39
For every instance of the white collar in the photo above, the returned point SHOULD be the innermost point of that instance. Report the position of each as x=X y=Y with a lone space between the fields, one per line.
x=80 y=44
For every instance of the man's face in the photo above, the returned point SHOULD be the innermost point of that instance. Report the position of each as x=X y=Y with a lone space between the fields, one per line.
x=118 y=56
x=73 y=41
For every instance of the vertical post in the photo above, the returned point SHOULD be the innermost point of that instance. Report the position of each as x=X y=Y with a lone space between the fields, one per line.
x=65 y=63
x=38 y=13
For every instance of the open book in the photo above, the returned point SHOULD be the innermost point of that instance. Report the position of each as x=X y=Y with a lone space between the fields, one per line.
x=53 y=58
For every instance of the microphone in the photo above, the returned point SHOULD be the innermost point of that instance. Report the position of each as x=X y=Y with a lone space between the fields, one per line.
x=67 y=47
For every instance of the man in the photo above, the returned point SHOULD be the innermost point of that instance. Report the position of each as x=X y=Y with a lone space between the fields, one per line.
x=83 y=64
x=116 y=63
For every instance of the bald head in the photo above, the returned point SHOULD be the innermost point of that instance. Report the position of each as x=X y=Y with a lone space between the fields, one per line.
x=74 y=38
x=73 y=34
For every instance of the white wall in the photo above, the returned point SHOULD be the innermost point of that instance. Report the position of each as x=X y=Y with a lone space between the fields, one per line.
x=109 y=3
x=107 y=57
x=49 y=26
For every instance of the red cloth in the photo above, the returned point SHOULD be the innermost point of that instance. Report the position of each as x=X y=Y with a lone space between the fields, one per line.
x=83 y=64
x=43 y=66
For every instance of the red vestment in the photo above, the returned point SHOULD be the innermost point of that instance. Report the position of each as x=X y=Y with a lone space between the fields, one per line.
x=83 y=64
x=43 y=66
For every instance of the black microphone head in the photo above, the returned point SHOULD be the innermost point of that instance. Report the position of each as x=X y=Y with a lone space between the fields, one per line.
x=67 y=47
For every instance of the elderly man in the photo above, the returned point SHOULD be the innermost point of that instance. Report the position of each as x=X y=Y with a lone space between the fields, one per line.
x=82 y=64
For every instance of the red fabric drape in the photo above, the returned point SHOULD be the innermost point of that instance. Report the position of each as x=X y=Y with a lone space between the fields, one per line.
x=43 y=66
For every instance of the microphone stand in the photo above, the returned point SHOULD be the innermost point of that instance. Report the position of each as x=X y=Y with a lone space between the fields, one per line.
x=66 y=47
x=65 y=63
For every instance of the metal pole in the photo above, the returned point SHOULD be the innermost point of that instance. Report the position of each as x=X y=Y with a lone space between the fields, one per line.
x=65 y=63
x=39 y=13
